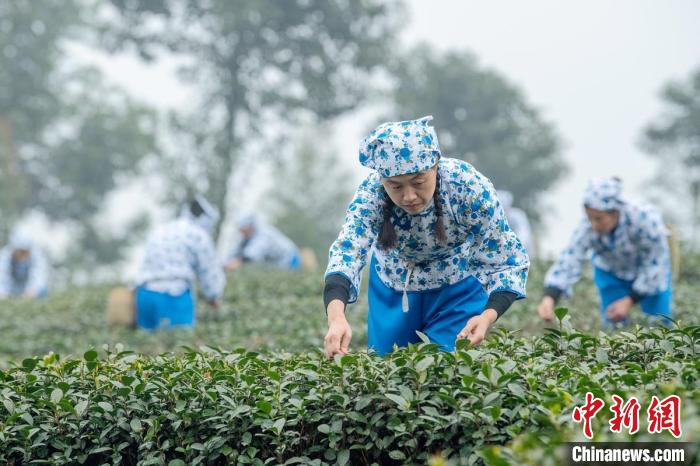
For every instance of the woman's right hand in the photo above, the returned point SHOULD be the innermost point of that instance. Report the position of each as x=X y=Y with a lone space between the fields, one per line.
x=233 y=264
x=339 y=334
x=546 y=308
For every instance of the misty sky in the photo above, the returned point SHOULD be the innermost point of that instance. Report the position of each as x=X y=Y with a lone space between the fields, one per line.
x=594 y=69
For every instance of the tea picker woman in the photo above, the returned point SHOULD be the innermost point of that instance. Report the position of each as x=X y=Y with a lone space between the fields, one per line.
x=23 y=269
x=262 y=244
x=444 y=261
x=628 y=246
x=177 y=255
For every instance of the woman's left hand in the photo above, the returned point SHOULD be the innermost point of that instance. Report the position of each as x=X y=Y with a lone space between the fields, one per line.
x=477 y=326
x=620 y=309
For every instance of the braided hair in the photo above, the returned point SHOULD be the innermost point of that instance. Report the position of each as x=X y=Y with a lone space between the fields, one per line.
x=439 y=229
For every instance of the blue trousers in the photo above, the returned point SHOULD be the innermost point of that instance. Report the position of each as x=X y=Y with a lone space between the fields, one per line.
x=19 y=291
x=612 y=288
x=440 y=314
x=156 y=310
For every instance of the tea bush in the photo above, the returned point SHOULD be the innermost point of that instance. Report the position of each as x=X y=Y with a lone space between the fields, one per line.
x=257 y=390
x=216 y=407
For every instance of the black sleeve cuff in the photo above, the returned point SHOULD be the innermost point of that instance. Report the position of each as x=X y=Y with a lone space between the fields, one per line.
x=554 y=293
x=337 y=287
x=636 y=297
x=500 y=301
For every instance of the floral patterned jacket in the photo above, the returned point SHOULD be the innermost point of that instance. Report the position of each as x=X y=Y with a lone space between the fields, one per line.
x=636 y=250
x=480 y=243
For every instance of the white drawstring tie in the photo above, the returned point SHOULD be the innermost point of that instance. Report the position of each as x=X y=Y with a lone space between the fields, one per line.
x=409 y=272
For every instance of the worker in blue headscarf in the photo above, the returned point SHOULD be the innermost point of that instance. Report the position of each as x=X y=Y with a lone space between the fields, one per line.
x=177 y=255
x=628 y=246
x=261 y=243
x=444 y=261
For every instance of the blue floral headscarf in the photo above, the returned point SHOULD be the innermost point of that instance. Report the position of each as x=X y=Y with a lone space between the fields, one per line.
x=604 y=194
x=401 y=148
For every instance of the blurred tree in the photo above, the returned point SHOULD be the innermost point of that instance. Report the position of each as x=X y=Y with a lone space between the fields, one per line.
x=483 y=119
x=66 y=139
x=103 y=139
x=31 y=37
x=674 y=139
x=310 y=196
x=258 y=66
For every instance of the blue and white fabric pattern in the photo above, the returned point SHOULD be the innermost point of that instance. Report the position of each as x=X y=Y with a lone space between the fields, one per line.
x=604 y=194
x=636 y=250
x=400 y=148
x=177 y=255
x=21 y=277
x=479 y=244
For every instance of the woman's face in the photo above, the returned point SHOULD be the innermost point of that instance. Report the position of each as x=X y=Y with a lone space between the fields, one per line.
x=247 y=231
x=412 y=192
x=20 y=255
x=602 y=221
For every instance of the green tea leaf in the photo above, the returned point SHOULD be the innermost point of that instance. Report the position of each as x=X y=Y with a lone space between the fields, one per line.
x=29 y=363
x=516 y=389
x=264 y=406
x=278 y=426
x=561 y=312
x=423 y=337
x=425 y=363
x=136 y=425
x=343 y=457
x=81 y=407
x=56 y=395
x=105 y=406
x=399 y=400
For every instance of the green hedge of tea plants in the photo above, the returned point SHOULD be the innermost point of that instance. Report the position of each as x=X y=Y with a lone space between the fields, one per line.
x=215 y=406
x=266 y=395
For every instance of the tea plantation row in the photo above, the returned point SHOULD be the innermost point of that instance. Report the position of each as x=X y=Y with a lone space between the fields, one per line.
x=506 y=402
x=263 y=310
x=219 y=407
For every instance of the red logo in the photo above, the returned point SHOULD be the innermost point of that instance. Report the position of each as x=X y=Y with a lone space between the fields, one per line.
x=626 y=415
x=587 y=413
x=661 y=415
x=665 y=415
